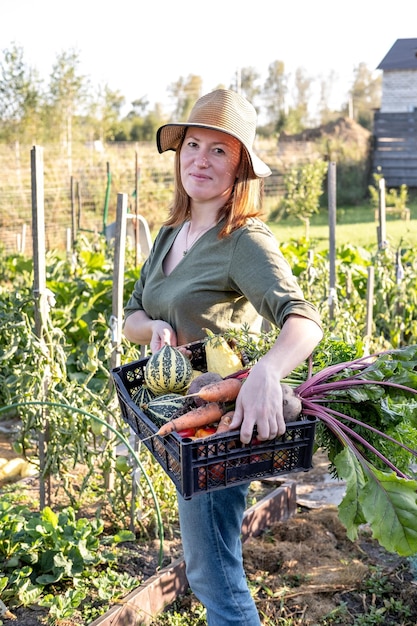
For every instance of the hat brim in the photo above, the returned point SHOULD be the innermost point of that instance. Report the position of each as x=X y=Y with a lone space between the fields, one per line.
x=169 y=137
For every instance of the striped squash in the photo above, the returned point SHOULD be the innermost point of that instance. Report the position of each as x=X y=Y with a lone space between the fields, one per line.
x=143 y=396
x=162 y=408
x=168 y=371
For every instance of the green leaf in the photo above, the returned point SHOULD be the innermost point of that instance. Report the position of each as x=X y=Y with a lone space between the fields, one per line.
x=30 y=595
x=350 y=511
x=389 y=504
x=124 y=535
x=385 y=501
x=50 y=579
x=49 y=516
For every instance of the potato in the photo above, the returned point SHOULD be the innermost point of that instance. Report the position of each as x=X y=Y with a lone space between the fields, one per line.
x=291 y=404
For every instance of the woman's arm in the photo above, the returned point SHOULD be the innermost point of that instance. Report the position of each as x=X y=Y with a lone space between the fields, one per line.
x=141 y=329
x=260 y=399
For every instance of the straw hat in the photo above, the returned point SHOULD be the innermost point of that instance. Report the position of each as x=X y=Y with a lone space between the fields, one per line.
x=222 y=110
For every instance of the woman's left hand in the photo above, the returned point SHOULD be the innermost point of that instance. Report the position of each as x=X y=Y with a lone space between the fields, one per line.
x=259 y=403
x=260 y=400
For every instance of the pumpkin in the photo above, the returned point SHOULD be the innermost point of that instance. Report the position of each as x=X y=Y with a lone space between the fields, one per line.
x=168 y=371
x=143 y=396
x=161 y=409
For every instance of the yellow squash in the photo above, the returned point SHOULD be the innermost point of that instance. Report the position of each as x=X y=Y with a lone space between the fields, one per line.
x=221 y=358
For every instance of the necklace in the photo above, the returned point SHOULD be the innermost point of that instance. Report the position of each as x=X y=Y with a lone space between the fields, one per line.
x=198 y=234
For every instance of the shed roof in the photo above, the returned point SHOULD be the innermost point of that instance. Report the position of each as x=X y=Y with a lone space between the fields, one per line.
x=402 y=56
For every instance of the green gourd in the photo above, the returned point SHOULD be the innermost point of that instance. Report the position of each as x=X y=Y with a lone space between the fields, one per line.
x=143 y=396
x=168 y=371
x=161 y=409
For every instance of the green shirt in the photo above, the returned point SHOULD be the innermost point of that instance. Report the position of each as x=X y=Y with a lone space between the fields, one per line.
x=220 y=284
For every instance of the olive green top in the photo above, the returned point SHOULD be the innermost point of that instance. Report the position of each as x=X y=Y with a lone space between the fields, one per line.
x=220 y=284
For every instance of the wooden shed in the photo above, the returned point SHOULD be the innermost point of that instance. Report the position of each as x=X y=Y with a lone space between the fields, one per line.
x=395 y=123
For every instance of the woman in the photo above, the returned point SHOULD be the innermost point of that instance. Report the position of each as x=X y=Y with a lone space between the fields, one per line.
x=215 y=264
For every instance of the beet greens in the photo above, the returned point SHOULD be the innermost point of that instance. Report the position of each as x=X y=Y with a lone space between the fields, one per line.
x=367 y=410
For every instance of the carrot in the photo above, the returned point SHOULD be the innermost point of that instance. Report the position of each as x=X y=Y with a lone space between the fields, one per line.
x=202 y=416
x=224 y=423
x=225 y=390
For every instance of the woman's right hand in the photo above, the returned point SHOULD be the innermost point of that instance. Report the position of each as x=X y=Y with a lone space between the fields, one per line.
x=162 y=334
x=141 y=329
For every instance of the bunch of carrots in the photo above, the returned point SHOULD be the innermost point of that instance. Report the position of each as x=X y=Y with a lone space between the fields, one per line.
x=216 y=397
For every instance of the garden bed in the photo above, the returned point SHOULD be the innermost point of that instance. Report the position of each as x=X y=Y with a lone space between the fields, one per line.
x=300 y=563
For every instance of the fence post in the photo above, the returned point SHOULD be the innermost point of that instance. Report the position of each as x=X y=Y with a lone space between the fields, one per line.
x=137 y=225
x=106 y=199
x=39 y=289
x=73 y=220
x=382 y=227
x=331 y=185
x=117 y=296
x=369 y=307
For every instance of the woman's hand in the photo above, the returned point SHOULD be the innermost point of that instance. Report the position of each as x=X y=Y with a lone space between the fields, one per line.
x=162 y=335
x=141 y=329
x=259 y=403
x=260 y=400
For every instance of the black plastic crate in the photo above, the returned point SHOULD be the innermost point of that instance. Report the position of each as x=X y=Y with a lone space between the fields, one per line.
x=218 y=461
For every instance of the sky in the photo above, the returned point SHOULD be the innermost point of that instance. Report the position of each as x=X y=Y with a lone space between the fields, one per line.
x=141 y=47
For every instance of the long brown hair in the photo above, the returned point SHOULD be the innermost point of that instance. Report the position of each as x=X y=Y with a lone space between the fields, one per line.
x=245 y=202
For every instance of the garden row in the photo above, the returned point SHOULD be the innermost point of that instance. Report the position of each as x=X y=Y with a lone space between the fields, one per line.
x=60 y=390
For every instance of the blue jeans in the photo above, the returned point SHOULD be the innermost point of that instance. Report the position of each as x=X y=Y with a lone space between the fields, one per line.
x=210 y=530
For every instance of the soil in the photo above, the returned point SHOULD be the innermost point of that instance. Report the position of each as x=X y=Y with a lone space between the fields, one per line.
x=306 y=572
x=309 y=571
x=304 y=569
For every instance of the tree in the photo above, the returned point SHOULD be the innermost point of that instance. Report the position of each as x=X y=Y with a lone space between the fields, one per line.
x=365 y=95
x=296 y=117
x=151 y=123
x=302 y=91
x=185 y=92
x=105 y=114
x=139 y=107
x=67 y=94
x=304 y=186
x=325 y=113
x=274 y=93
x=20 y=97
x=248 y=87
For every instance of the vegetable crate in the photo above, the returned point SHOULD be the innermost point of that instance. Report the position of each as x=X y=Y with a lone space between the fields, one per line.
x=218 y=461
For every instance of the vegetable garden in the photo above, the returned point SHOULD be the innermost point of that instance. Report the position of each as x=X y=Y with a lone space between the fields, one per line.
x=100 y=489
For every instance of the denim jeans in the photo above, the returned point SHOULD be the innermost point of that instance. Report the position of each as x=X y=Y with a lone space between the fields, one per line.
x=210 y=531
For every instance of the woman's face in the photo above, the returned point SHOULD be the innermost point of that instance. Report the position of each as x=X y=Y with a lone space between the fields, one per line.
x=209 y=161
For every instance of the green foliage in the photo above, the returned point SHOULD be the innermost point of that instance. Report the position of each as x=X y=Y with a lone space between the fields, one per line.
x=75 y=357
x=304 y=186
x=365 y=94
x=381 y=499
x=394 y=197
x=70 y=365
x=365 y=406
x=351 y=181
x=195 y=616
x=394 y=302
x=58 y=561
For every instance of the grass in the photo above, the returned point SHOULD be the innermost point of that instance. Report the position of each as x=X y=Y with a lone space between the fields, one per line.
x=354 y=225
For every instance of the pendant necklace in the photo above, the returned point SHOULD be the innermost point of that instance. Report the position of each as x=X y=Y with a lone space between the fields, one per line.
x=199 y=233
